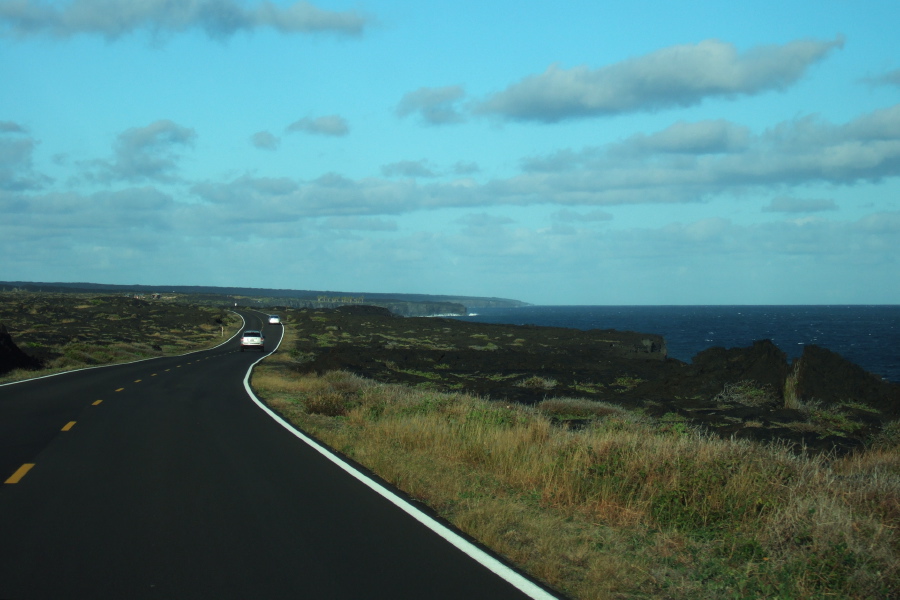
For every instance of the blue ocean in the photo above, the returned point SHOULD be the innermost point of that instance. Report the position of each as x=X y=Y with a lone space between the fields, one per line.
x=866 y=335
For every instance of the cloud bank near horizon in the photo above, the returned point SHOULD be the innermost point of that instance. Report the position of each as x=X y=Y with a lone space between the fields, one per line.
x=219 y=19
x=684 y=163
x=715 y=171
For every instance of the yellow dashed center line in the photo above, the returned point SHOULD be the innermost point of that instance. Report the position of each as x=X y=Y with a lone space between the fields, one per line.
x=96 y=402
x=137 y=380
x=120 y=389
x=154 y=375
x=68 y=426
x=20 y=473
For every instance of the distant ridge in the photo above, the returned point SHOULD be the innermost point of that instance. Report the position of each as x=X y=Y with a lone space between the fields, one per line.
x=84 y=287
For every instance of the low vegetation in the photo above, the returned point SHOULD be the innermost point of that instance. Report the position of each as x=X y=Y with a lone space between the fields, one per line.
x=748 y=393
x=72 y=331
x=616 y=504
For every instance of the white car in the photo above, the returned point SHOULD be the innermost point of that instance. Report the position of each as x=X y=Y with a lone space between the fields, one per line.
x=253 y=339
x=274 y=319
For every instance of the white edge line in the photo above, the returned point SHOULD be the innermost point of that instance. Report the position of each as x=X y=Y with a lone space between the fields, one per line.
x=515 y=579
x=243 y=322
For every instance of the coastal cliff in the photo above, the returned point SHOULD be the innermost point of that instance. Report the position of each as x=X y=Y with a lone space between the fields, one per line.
x=400 y=308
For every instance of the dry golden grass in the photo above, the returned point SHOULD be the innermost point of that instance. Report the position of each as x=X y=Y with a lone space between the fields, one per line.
x=624 y=507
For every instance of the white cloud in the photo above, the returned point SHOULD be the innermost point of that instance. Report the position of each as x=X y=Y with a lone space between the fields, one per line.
x=882 y=124
x=408 y=168
x=676 y=165
x=703 y=137
x=886 y=223
x=251 y=188
x=101 y=214
x=466 y=168
x=10 y=127
x=217 y=18
x=286 y=200
x=482 y=222
x=331 y=125
x=570 y=216
x=359 y=224
x=785 y=204
x=561 y=160
x=16 y=166
x=677 y=76
x=642 y=170
x=15 y=158
x=146 y=153
x=888 y=78
x=436 y=106
x=264 y=140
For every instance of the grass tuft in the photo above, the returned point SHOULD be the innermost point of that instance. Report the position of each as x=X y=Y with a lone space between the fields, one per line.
x=748 y=393
x=540 y=383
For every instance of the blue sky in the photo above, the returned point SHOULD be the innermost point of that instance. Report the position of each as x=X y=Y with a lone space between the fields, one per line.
x=633 y=152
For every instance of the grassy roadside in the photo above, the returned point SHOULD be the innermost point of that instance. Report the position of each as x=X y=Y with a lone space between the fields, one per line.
x=71 y=332
x=624 y=507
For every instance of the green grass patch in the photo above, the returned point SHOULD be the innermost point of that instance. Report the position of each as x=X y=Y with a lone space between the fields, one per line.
x=626 y=383
x=748 y=393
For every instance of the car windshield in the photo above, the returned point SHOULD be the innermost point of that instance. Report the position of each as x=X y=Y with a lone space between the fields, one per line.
x=251 y=334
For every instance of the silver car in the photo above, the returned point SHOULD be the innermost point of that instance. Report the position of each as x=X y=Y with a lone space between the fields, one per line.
x=253 y=339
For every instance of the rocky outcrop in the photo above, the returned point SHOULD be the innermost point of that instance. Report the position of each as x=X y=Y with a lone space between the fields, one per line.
x=363 y=310
x=827 y=377
x=712 y=369
x=424 y=309
x=762 y=362
x=11 y=357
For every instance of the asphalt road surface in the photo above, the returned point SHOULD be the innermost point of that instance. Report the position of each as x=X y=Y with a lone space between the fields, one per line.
x=164 y=479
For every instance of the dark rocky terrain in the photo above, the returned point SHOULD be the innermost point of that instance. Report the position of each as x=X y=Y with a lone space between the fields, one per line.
x=48 y=328
x=818 y=402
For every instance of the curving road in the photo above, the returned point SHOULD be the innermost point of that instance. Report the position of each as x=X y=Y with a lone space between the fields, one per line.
x=164 y=479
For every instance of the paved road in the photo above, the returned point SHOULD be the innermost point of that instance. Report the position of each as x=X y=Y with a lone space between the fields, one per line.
x=163 y=479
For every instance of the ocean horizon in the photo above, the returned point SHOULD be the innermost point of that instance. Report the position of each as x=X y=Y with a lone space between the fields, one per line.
x=868 y=335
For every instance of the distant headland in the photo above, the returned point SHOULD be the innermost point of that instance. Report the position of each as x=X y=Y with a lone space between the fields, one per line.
x=407 y=305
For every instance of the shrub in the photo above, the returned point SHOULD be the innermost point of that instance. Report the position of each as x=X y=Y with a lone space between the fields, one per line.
x=627 y=382
x=538 y=383
x=791 y=398
x=578 y=408
x=888 y=438
x=328 y=403
x=748 y=393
